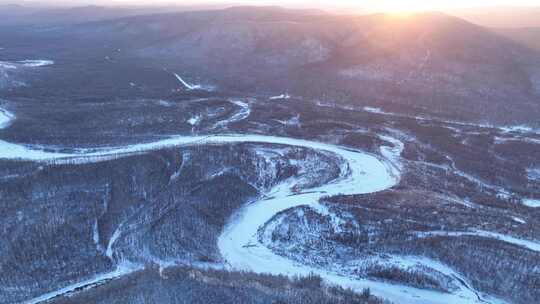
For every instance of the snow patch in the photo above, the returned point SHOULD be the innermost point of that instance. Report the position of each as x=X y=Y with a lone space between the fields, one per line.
x=25 y=63
x=533 y=203
x=241 y=114
x=35 y=63
x=282 y=96
x=531 y=245
x=519 y=129
x=293 y=121
x=518 y=220
x=194 y=120
x=374 y=110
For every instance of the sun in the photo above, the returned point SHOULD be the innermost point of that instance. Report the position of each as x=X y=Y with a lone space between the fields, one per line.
x=409 y=6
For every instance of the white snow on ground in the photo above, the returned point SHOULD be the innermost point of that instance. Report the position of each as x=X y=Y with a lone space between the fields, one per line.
x=27 y=152
x=282 y=96
x=116 y=235
x=360 y=173
x=165 y=103
x=35 y=63
x=518 y=220
x=502 y=140
x=120 y=271
x=242 y=114
x=533 y=203
x=511 y=129
x=533 y=174
x=293 y=121
x=186 y=157
x=393 y=153
x=168 y=263
x=95 y=235
x=422 y=118
x=334 y=105
x=323 y=210
x=187 y=85
x=462 y=288
x=374 y=110
x=363 y=173
x=531 y=245
x=191 y=87
x=25 y=63
x=242 y=251
x=501 y=192
x=7 y=65
x=5 y=118
x=519 y=129
x=418 y=262
x=195 y=120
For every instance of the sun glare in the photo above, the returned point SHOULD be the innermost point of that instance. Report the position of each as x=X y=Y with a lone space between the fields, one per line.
x=410 y=6
x=395 y=6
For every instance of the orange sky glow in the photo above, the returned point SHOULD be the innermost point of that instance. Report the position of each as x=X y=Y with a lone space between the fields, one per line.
x=372 y=5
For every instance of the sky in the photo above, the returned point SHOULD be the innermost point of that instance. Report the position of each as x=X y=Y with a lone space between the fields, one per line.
x=369 y=5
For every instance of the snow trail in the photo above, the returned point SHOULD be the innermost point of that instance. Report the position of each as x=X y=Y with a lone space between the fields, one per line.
x=187 y=85
x=242 y=114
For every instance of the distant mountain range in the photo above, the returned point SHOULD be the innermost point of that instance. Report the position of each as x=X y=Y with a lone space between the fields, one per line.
x=529 y=36
x=521 y=24
x=430 y=63
x=16 y=14
x=501 y=17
